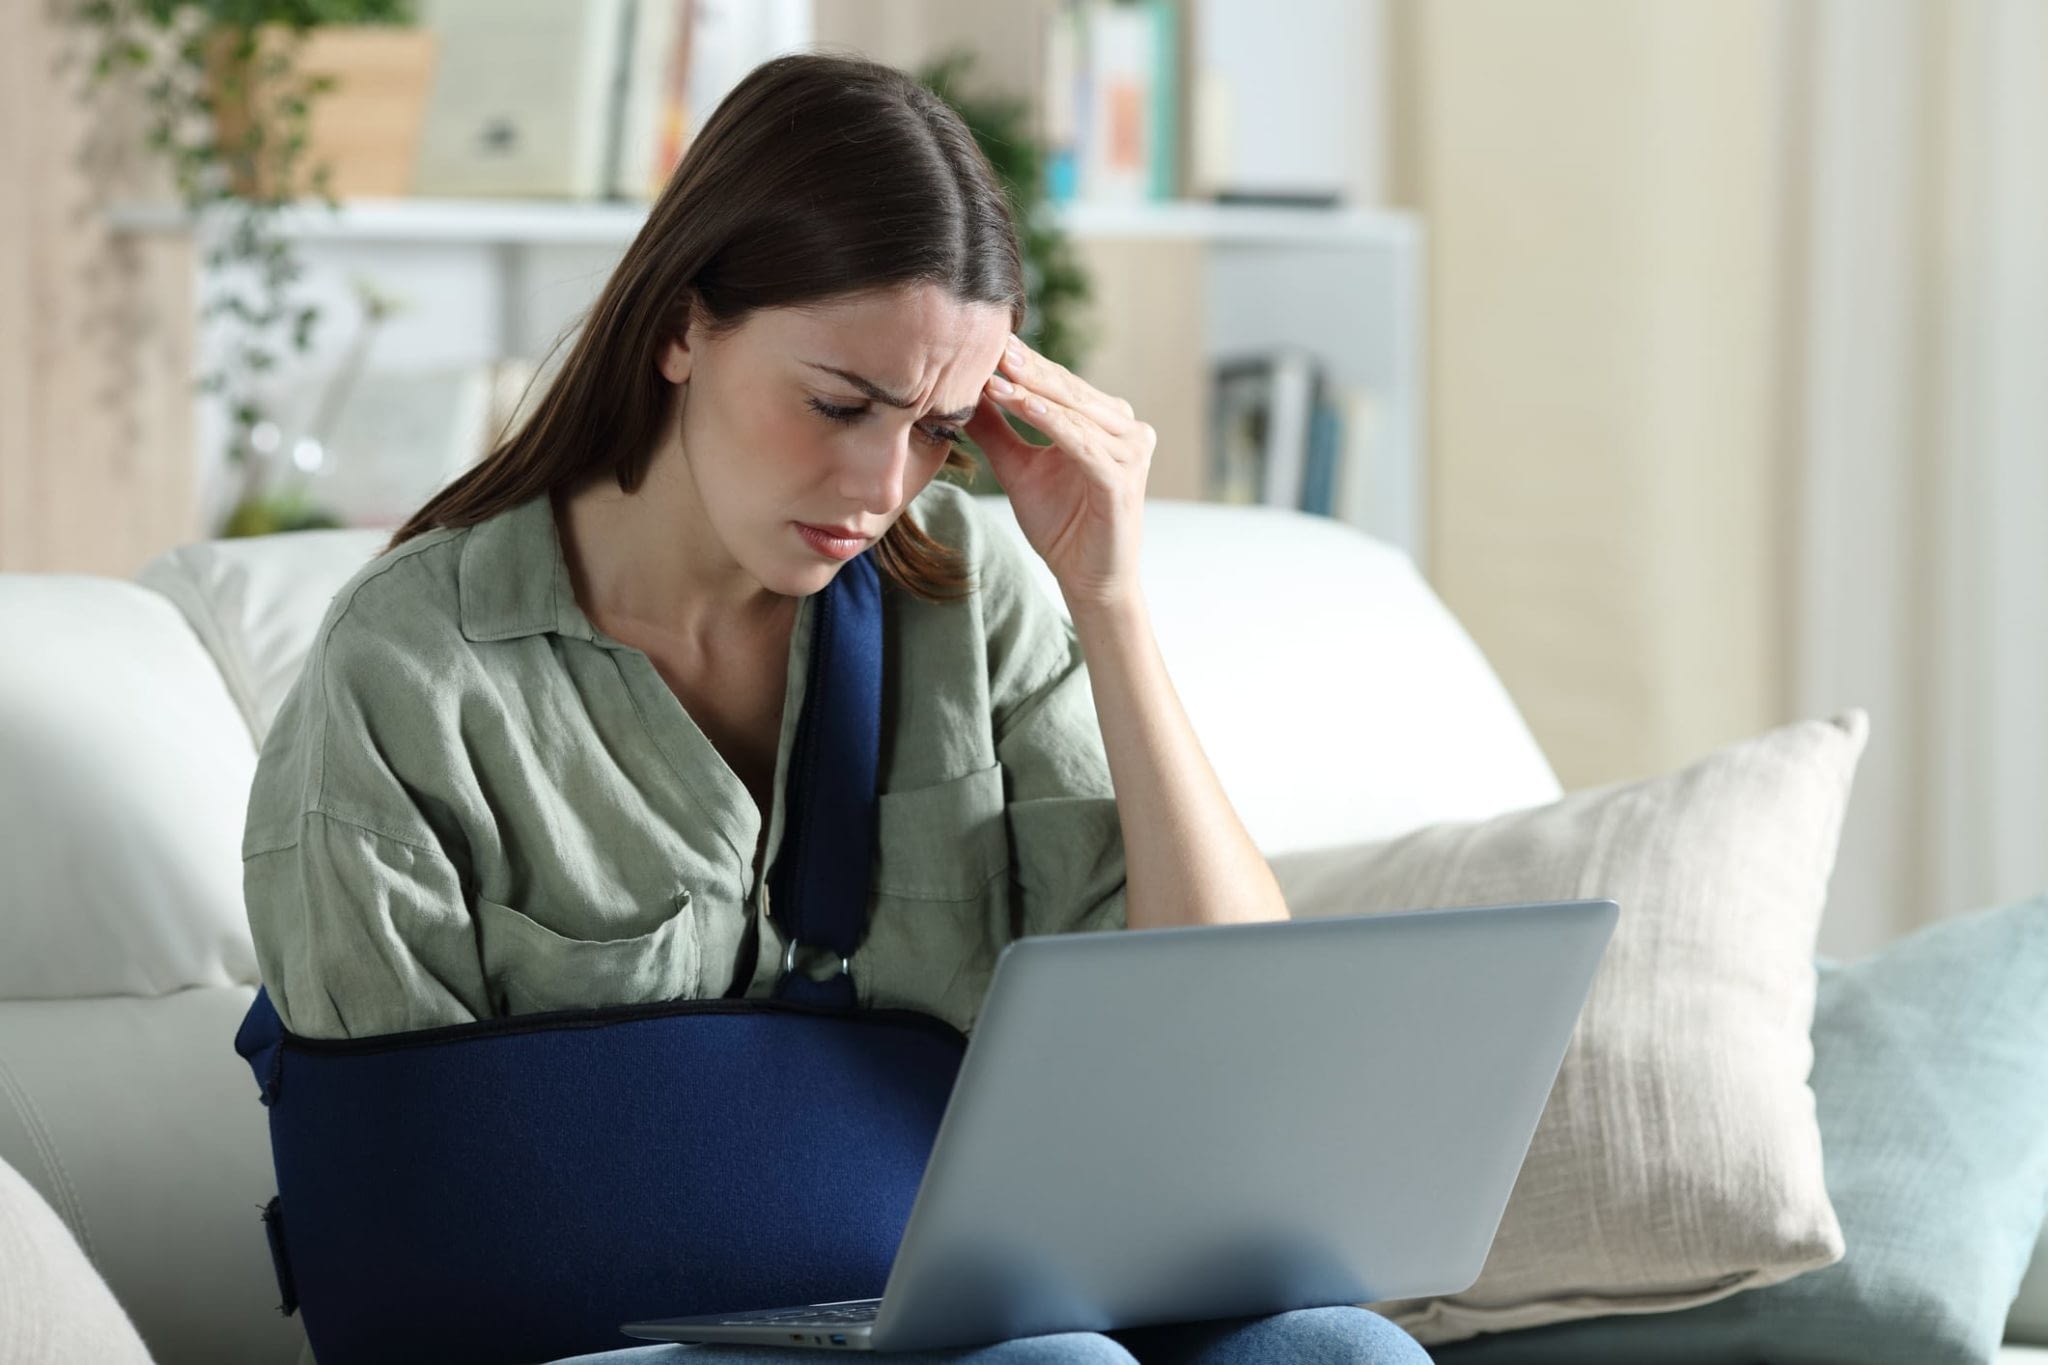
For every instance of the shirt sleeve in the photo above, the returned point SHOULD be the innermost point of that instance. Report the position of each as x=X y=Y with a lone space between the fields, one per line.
x=359 y=933
x=1066 y=838
x=356 y=905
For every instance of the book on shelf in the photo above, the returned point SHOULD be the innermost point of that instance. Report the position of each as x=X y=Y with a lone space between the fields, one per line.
x=1237 y=101
x=1262 y=405
x=1319 y=467
x=650 y=109
x=523 y=97
x=1371 y=483
x=584 y=99
x=1110 y=101
x=1285 y=433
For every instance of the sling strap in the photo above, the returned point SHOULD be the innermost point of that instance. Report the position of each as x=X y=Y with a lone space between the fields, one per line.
x=820 y=879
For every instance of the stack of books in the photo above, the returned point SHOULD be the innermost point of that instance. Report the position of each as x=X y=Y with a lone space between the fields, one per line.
x=1231 y=100
x=1284 y=433
x=1111 y=103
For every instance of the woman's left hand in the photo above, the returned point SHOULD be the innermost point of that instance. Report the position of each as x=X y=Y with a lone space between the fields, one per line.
x=1081 y=500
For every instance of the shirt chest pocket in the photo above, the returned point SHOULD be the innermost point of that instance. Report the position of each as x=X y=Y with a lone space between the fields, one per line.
x=942 y=842
x=530 y=967
x=941 y=895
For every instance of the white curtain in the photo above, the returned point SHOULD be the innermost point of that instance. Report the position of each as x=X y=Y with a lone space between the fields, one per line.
x=1917 y=410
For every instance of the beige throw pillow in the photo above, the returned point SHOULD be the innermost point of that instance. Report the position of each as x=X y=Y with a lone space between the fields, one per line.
x=1678 y=1160
x=54 y=1307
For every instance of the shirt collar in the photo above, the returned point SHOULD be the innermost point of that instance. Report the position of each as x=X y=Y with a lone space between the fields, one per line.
x=513 y=579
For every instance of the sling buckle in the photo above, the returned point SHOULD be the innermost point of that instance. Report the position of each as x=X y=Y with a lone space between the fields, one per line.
x=789 y=961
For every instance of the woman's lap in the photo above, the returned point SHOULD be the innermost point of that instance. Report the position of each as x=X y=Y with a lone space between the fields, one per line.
x=1309 y=1336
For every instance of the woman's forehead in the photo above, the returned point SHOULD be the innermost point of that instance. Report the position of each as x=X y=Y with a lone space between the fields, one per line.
x=925 y=308
x=895 y=340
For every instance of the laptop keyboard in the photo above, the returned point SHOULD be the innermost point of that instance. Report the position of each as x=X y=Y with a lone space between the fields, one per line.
x=840 y=1316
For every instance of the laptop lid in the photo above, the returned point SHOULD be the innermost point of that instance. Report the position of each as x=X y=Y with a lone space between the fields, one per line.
x=1165 y=1125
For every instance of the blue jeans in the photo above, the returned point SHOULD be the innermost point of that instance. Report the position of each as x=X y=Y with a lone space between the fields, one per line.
x=1307 y=1336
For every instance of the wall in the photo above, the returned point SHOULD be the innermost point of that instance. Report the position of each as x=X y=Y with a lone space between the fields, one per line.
x=1609 y=486
x=95 y=329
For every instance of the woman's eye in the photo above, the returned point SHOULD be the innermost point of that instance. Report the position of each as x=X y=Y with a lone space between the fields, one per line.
x=938 y=436
x=837 y=414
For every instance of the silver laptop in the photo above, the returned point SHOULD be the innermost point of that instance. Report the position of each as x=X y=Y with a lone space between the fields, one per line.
x=1166 y=1125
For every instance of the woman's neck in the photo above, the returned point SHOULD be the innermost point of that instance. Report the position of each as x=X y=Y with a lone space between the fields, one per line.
x=641 y=559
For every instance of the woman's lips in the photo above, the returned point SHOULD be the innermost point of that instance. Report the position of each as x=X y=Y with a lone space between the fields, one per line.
x=830 y=542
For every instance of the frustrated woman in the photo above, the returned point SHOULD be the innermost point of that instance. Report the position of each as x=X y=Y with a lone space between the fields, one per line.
x=538 y=755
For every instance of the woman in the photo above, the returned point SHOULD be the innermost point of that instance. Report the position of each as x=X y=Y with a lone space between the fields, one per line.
x=537 y=754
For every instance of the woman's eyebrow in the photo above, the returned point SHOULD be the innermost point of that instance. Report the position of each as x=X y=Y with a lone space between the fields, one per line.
x=882 y=395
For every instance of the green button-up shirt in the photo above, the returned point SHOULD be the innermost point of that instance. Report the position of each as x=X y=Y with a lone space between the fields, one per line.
x=474 y=803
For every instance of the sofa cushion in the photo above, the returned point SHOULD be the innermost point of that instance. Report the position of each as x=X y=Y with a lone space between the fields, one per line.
x=1335 y=695
x=124 y=776
x=1931 y=1069
x=255 y=603
x=54 y=1307
x=1678 y=1159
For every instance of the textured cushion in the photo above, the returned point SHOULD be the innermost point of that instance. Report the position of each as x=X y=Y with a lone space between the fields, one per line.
x=124 y=777
x=1931 y=1069
x=1678 y=1159
x=54 y=1307
x=255 y=603
x=1344 y=702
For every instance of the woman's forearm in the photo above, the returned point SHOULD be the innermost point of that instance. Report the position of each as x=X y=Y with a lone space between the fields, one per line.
x=1081 y=504
x=1188 y=858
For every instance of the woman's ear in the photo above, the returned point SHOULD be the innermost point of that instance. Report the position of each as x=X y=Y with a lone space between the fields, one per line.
x=675 y=361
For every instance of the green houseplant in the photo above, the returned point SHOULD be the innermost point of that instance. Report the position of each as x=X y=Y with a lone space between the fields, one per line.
x=228 y=107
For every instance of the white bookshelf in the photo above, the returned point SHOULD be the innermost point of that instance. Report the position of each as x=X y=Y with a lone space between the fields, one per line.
x=486 y=279
x=544 y=223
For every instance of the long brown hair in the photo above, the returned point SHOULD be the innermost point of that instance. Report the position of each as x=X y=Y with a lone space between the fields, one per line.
x=820 y=174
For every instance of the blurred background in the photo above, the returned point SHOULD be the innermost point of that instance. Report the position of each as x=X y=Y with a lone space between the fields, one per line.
x=1697 y=350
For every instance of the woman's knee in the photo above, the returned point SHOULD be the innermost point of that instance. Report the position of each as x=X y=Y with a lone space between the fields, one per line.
x=1059 y=1348
x=1342 y=1336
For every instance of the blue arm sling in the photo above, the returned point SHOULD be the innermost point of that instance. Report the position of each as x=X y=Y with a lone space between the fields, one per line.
x=513 y=1189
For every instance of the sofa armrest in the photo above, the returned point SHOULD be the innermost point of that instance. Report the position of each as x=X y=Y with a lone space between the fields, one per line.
x=135 y=1120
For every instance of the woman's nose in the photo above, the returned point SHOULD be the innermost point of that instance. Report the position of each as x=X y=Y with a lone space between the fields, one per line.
x=876 y=478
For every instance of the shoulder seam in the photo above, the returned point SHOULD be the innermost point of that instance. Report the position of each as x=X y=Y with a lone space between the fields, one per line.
x=420 y=544
x=409 y=840
x=425 y=844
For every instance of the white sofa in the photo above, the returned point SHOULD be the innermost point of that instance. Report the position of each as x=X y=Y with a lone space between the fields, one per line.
x=1336 y=696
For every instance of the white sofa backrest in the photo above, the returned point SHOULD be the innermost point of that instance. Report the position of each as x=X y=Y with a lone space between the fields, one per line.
x=124 y=774
x=255 y=603
x=1335 y=695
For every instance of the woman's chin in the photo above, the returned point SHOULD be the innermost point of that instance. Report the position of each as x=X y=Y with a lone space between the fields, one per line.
x=800 y=579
